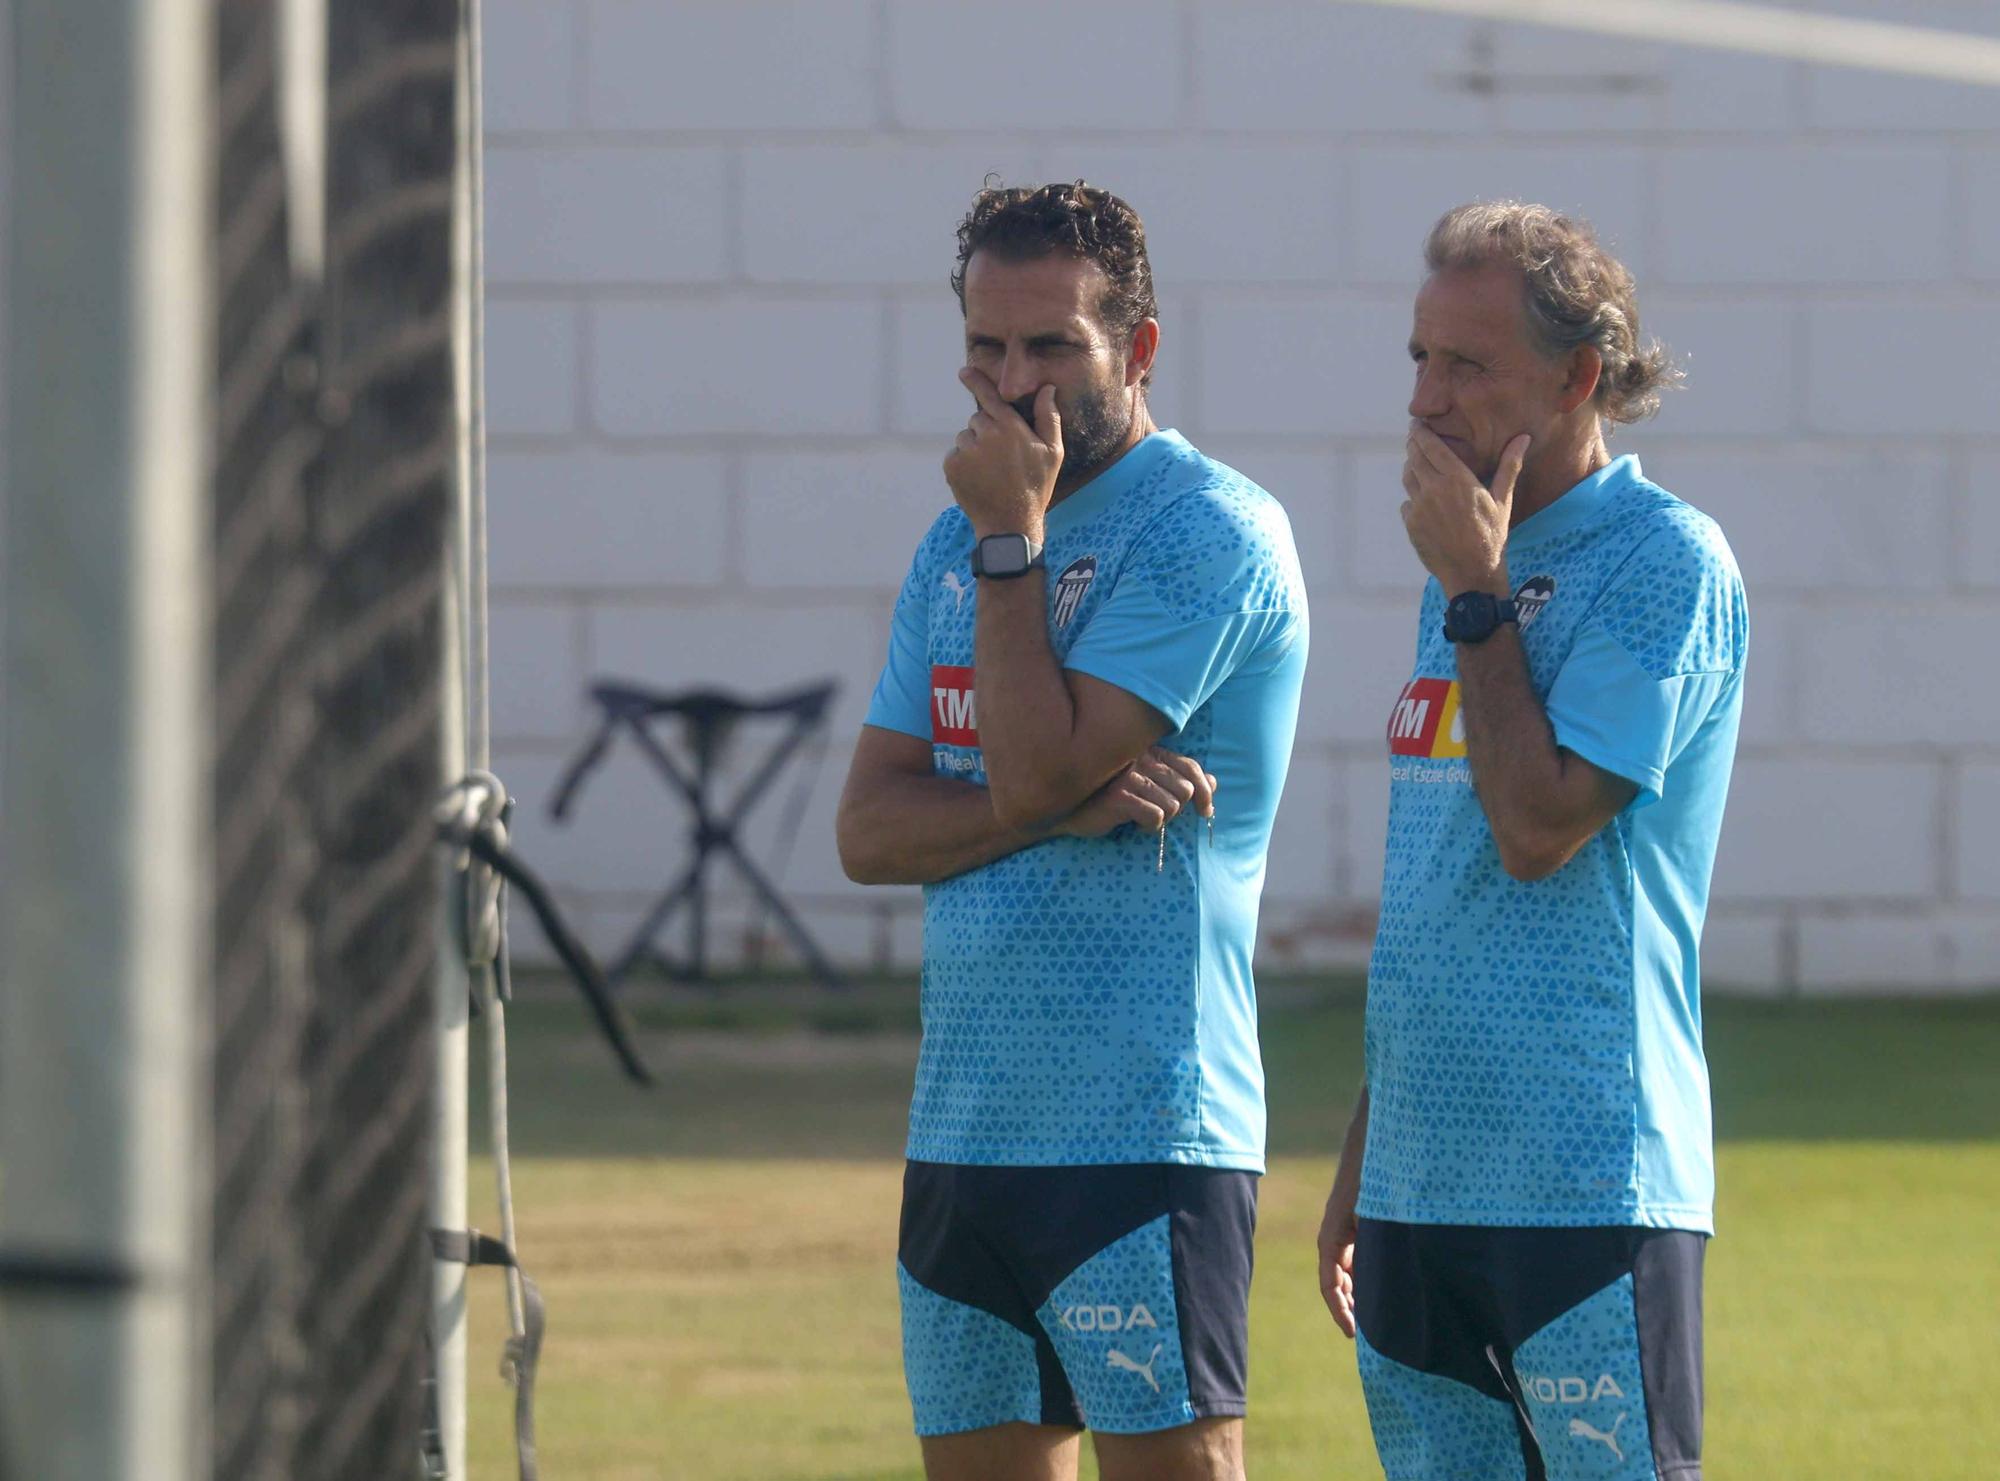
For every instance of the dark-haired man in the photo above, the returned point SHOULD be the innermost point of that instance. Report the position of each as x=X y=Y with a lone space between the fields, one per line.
x=1516 y=1232
x=1105 y=635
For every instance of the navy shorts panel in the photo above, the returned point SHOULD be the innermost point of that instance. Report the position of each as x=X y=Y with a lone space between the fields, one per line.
x=1590 y=1338
x=1213 y=1220
x=1131 y=1282
x=1667 y=1281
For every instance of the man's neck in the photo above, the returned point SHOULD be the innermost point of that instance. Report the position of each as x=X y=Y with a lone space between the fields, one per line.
x=1545 y=480
x=1142 y=428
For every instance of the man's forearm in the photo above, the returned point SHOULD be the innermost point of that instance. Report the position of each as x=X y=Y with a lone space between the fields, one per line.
x=1525 y=782
x=1027 y=715
x=918 y=830
x=1353 y=1148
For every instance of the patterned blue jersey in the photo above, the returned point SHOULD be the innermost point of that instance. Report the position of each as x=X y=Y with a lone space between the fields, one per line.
x=1534 y=1049
x=1080 y=1005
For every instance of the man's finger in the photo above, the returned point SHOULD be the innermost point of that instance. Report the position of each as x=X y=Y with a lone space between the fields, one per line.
x=1432 y=449
x=1511 y=460
x=1203 y=801
x=1187 y=773
x=1048 y=421
x=1178 y=777
x=1154 y=794
x=1329 y=1285
x=1343 y=1282
x=985 y=392
x=1343 y=1318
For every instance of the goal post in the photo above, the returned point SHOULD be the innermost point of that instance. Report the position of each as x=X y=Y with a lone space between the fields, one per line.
x=103 y=841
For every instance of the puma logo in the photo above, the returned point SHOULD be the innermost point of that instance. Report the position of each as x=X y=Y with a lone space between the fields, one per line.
x=1117 y=1359
x=957 y=588
x=1583 y=1430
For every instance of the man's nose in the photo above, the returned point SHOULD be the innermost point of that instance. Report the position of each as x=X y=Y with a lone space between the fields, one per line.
x=1429 y=398
x=1018 y=378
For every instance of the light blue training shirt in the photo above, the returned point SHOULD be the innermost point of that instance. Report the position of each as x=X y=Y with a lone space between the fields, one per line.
x=1534 y=1049
x=1080 y=1005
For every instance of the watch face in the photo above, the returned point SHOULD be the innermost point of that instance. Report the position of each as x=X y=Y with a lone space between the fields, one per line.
x=1003 y=555
x=1471 y=617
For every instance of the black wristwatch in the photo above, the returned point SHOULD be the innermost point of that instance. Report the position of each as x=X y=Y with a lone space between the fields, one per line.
x=1005 y=557
x=1474 y=616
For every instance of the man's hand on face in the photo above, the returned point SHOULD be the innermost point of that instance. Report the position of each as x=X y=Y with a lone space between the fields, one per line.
x=1001 y=470
x=1458 y=525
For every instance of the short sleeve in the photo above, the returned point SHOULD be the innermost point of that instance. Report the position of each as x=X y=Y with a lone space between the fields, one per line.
x=1662 y=649
x=1214 y=588
x=1615 y=715
x=902 y=698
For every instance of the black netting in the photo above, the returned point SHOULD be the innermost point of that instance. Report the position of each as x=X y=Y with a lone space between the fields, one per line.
x=334 y=456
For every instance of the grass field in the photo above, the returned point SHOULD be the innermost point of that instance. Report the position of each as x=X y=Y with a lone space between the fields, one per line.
x=718 y=1253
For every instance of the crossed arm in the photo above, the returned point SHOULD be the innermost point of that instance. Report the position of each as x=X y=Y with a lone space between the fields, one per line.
x=1065 y=754
x=900 y=824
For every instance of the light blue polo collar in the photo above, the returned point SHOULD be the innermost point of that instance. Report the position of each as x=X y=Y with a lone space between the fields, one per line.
x=1116 y=481
x=1580 y=504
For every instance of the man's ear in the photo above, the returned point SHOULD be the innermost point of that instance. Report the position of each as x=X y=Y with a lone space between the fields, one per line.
x=1586 y=368
x=1145 y=346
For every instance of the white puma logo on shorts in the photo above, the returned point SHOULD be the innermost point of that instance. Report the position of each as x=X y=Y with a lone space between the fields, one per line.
x=1583 y=1430
x=1117 y=1359
x=957 y=588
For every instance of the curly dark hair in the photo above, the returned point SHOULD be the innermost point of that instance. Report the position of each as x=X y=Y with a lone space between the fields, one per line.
x=1022 y=222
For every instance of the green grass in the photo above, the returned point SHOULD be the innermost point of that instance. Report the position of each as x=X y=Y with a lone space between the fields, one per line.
x=718 y=1253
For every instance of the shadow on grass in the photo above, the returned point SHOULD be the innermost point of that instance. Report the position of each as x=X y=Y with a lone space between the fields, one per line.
x=760 y=1070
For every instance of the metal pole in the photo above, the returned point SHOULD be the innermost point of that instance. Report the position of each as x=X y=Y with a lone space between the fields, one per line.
x=464 y=732
x=454 y=989
x=104 y=842
x=478 y=717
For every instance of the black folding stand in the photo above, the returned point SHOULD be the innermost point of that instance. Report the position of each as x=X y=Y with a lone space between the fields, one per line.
x=711 y=718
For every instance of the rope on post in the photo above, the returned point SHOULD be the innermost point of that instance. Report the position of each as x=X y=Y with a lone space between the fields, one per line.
x=472 y=819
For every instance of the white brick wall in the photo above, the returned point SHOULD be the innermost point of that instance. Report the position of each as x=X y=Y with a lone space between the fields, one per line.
x=1040 y=66
x=721 y=353
x=533 y=369
x=1902 y=237
x=718 y=65
x=736 y=366
x=546 y=208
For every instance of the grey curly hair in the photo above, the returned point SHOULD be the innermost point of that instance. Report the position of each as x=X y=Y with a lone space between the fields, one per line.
x=1577 y=294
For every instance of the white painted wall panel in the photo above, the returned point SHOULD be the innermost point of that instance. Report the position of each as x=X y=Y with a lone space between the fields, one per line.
x=533 y=368
x=742 y=367
x=600 y=519
x=1046 y=66
x=595 y=214
x=1786 y=215
x=761 y=65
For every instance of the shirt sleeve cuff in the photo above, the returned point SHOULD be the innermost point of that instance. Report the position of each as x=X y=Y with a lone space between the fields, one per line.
x=1601 y=753
x=1174 y=706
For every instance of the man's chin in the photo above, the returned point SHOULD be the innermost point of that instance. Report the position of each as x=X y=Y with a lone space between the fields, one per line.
x=1090 y=443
